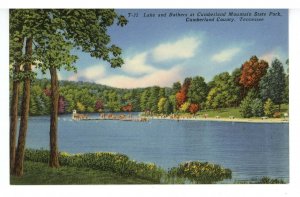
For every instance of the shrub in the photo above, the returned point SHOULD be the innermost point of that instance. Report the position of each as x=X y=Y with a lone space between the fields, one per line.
x=195 y=172
x=269 y=108
x=277 y=115
x=200 y=172
x=257 y=107
x=267 y=180
x=105 y=161
x=245 y=108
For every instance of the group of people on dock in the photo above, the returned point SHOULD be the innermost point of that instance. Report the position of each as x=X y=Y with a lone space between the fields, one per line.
x=123 y=117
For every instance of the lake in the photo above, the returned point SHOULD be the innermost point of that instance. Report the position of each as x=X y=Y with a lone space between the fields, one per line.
x=250 y=150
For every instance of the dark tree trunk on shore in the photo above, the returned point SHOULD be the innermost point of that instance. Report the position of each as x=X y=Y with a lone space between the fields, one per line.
x=14 y=118
x=279 y=107
x=18 y=168
x=53 y=121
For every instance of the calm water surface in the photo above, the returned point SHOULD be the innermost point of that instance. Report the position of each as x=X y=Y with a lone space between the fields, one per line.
x=250 y=150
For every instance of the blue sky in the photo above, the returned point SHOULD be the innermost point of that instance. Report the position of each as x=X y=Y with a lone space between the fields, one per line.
x=163 y=50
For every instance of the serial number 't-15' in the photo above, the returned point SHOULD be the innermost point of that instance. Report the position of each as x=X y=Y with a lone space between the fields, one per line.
x=133 y=14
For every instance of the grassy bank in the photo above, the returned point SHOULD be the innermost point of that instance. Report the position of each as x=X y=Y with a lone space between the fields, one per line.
x=224 y=114
x=113 y=168
x=37 y=173
x=233 y=111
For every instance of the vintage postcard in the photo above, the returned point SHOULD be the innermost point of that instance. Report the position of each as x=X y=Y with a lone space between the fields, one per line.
x=149 y=96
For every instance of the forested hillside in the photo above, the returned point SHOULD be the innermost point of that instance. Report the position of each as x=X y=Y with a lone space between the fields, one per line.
x=256 y=87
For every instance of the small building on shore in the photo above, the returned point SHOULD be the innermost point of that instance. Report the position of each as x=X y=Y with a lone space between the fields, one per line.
x=76 y=116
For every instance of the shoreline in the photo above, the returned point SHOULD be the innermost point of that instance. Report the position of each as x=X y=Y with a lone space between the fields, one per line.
x=242 y=120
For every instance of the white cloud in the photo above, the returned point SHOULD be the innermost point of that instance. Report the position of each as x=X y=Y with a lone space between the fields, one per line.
x=92 y=73
x=181 y=49
x=73 y=78
x=159 y=77
x=271 y=55
x=226 y=55
x=59 y=76
x=137 y=64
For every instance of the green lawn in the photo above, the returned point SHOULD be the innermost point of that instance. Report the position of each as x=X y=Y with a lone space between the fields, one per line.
x=222 y=113
x=36 y=173
x=226 y=112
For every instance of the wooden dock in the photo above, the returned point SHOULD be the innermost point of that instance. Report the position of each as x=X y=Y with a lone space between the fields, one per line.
x=102 y=116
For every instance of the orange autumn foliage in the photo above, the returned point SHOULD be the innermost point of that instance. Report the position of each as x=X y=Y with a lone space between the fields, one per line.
x=252 y=71
x=127 y=108
x=194 y=108
x=180 y=98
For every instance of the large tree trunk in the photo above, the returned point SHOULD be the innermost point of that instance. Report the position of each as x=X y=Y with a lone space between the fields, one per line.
x=18 y=168
x=53 y=121
x=14 y=118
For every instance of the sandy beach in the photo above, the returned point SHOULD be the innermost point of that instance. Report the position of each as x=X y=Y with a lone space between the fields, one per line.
x=248 y=120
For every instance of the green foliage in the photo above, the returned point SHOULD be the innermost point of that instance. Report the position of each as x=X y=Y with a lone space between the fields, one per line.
x=269 y=108
x=268 y=180
x=198 y=90
x=144 y=100
x=176 y=87
x=113 y=162
x=172 y=99
x=251 y=105
x=257 y=108
x=113 y=102
x=168 y=107
x=80 y=107
x=33 y=110
x=245 y=107
x=195 y=172
x=273 y=84
x=37 y=173
x=154 y=98
x=223 y=93
x=161 y=105
x=200 y=172
x=185 y=107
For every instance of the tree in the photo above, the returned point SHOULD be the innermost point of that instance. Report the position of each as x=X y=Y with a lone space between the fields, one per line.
x=286 y=90
x=153 y=99
x=162 y=93
x=161 y=105
x=176 y=87
x=173 y=103
x=80 y=107
x=185 y=106
x=257 y=107
x=20 y=151
x=55 y=53
x=198 y=90
x=245 y=107
x=194 y=108
x=168 y=107
x=33 y=109
x=223 y=92
x=144 y=100
x=180 y=98
x=269 y=108
x=273 y=84
x=127 y=108
x=237 y=88
x=252 y=71
x=99 y=106
x=62 y=31
x=113 y=102
x=16 y=59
